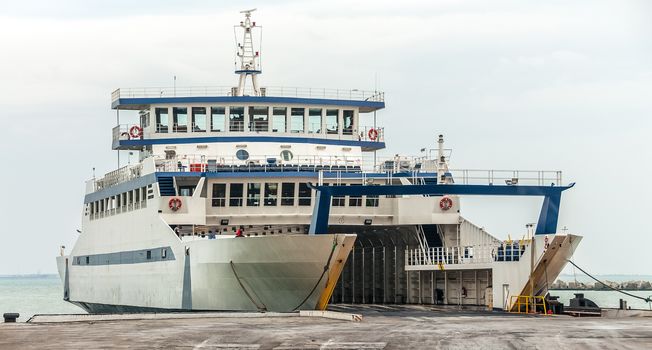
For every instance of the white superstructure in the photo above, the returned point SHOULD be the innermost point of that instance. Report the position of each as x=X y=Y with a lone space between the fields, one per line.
x=215 y=163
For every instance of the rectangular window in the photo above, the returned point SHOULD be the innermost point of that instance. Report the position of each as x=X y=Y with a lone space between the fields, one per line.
x=198 y=119
x=305 y=194
x=332 y=125
x=144 y=119
x=338 y=201
x=161 y=120
x=88 y=260
x=258 y=118
x=137 y=195
x=149 y=255
x=372 y=200
x=287 y=193
x=271 y=194
x=355 y=201
x=217 y=119
x=253 y=194
x=186 y=191
x=347 y=119
x=235 y=195
x=279 y=119
x=164 y=253
x=180 y=119
x=219 y=195
x=314 y=120
x=236 y=119
x=297 y=120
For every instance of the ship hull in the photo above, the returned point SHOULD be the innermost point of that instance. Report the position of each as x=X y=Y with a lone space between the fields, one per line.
x=272 y=273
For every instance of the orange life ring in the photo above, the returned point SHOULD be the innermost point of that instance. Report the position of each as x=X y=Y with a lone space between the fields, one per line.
x=174 y=204
x=445 y=203
x=373 y=134
x=136 y=132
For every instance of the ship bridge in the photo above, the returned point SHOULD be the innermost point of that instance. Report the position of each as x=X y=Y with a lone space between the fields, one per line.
x=203 y=115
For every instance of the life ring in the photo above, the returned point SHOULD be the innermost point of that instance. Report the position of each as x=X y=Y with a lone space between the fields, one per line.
x=174 y=204
x=136 y=132
x=445 y=203
x=373 y=134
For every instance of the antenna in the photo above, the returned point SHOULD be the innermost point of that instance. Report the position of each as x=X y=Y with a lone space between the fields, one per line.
x=249 y=58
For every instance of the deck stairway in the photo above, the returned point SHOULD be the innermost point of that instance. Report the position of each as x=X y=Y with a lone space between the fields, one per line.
x=166 y=186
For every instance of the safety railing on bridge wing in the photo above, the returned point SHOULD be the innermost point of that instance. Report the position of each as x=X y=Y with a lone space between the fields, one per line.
x=507 y=177
x=275 y=91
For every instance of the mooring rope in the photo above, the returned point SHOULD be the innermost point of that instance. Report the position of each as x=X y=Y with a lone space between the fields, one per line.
x=326 y=268
x=263 y=308
x=647 y=300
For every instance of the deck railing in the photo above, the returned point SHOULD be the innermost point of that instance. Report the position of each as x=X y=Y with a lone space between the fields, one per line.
x=476 y=254
x=275 y=91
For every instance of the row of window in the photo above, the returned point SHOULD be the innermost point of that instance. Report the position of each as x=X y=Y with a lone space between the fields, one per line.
x=257 y=118
x=271 y=194
x=129 y=257
x=121 y=200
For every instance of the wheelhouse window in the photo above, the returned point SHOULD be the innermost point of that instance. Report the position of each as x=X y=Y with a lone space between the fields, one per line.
x=314 y=120
x=305 y=194
x=271 y=194
x=219 y=195
x=279 y=119
x=347 y=119
x=253 y=194
x=332 y=122
x=217 y=119
x=235 y=195
x=236 y=119
x=161 y=120
x=287 y=194
x=259 y=118
x=180 y=119
x=297 y=120
x=199 y=119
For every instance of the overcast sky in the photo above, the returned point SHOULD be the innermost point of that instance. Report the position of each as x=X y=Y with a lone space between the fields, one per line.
x=553 y=85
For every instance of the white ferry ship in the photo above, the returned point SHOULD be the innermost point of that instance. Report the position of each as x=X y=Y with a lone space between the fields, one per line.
x=274 y=199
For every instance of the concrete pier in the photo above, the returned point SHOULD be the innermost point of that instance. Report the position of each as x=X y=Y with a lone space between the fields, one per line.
x=381 y=327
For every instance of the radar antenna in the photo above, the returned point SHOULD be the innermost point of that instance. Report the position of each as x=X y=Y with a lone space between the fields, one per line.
x=249 y=59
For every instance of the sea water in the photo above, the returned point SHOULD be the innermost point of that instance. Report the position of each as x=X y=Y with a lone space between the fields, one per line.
x=34 y=295
x=607 y=298
x=44 y=295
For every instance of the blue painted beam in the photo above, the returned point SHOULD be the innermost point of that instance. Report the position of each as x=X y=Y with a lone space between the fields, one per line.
x=549 y=214
x=547 y=220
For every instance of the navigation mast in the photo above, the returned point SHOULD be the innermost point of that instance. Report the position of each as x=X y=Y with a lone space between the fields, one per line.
x=249 y=59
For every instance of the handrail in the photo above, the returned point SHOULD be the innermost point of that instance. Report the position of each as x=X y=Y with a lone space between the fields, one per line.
x=276 y=91
x=473 y=254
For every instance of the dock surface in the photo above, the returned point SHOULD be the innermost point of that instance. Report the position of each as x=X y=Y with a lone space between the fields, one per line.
x=381 y=327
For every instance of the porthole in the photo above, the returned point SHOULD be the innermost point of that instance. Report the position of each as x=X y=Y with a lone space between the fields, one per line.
x=286 y=155
x=242 y=154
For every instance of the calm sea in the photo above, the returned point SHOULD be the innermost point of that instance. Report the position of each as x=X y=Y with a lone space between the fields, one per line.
x=44 y=295
x=34 y=295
